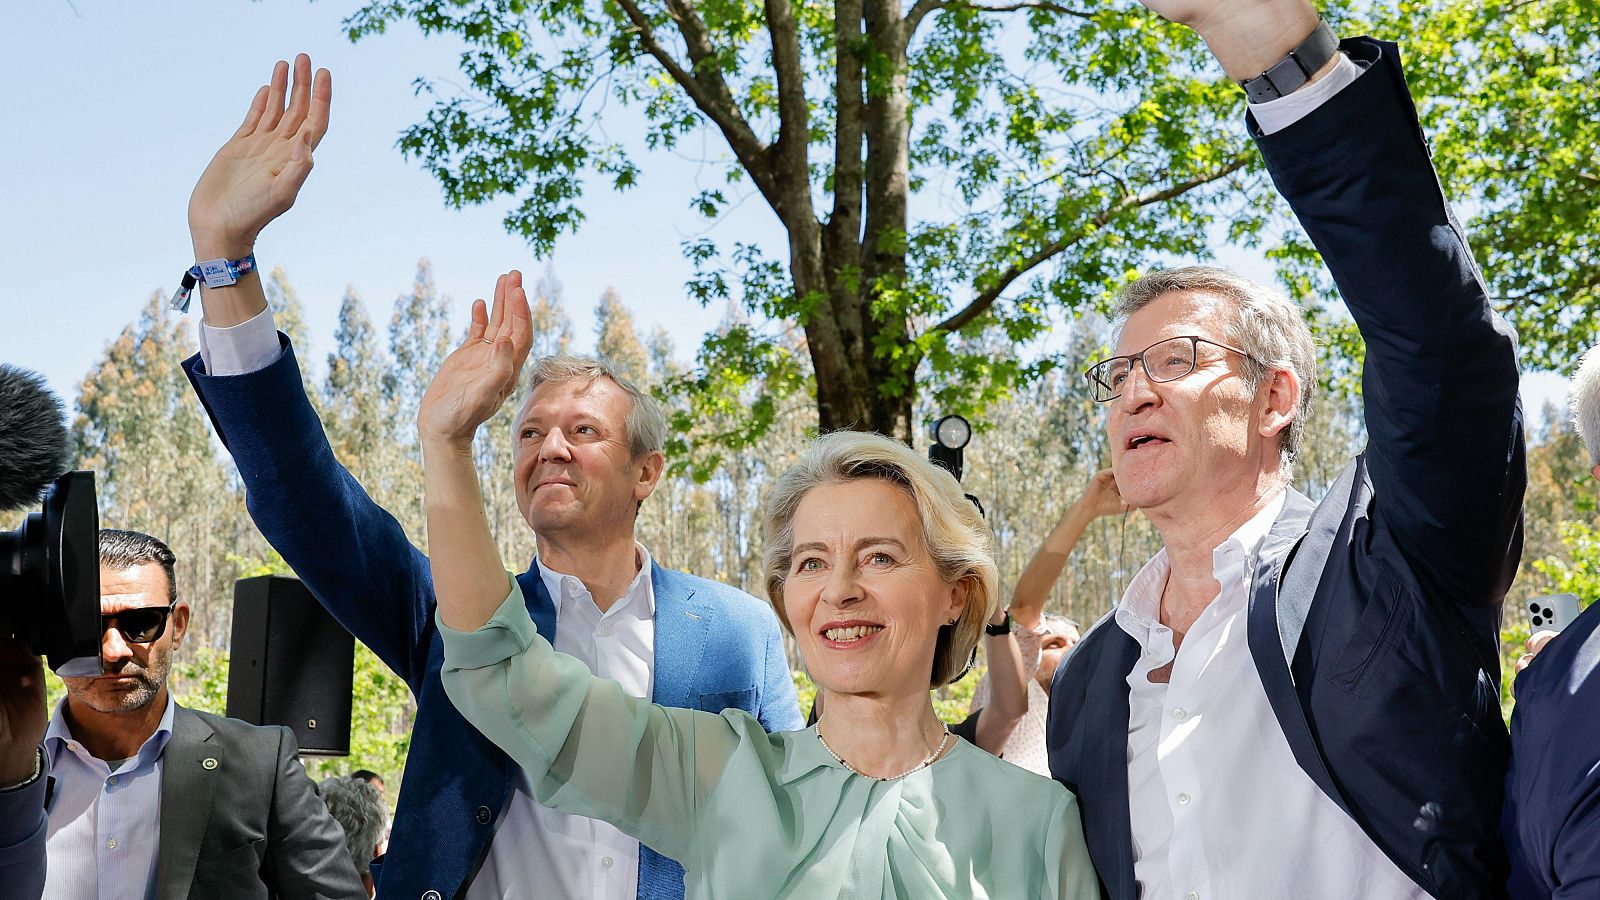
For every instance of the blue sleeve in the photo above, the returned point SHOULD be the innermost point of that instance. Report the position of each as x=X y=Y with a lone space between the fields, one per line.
x=23 y=827
x=349 y=552
x=1440 y=382
x=780 y=707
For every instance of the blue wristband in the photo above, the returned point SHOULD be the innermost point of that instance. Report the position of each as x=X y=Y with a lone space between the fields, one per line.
x=215 y=273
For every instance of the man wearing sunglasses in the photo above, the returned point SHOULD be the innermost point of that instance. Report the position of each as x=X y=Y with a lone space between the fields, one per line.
x=1300 y=699
x=154 y=800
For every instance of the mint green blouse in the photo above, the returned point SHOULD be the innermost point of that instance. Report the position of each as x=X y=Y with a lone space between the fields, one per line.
x=752 y=815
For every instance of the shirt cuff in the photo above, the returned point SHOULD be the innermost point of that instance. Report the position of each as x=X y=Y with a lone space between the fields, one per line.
x=1276 y=115
x=507 y=633
x=249 y=346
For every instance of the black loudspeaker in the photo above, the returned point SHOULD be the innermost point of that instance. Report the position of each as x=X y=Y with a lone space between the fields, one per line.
x=290 y=663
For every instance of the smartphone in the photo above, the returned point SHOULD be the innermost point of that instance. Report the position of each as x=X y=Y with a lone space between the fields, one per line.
x=1552 y=612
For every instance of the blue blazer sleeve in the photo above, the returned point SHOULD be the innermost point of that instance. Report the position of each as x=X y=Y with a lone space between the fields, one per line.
x=780 y=707
x=349 y=552
x=23 y=827
x=1440 y=382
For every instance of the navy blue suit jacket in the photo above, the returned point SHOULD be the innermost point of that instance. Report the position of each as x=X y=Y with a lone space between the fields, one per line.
x=356 y=559
x=1389 y=698
x=1553 y=790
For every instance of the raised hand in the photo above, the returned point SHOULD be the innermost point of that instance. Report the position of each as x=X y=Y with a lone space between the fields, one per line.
x=1246 y=36
x=1101 y=497
x=478 y=376
x=257 y=174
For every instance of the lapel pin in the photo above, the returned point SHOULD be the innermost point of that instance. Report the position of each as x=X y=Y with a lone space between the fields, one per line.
x=209 y=762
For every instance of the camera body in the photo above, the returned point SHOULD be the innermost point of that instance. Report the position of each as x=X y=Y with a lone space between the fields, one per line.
x=50 y=577
x=49 y=566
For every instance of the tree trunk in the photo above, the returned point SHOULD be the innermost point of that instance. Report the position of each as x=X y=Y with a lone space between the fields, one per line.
x=860 y=255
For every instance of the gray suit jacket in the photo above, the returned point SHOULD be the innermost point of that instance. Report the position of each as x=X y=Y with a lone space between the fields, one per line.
x=240 y=818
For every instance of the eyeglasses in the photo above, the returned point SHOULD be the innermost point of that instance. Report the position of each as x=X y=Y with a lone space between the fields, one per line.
x=139 y=626
x=1166 y=360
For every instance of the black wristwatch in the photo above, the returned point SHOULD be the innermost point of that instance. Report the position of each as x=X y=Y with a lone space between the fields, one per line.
x=1289 y=74
x=1002 y=628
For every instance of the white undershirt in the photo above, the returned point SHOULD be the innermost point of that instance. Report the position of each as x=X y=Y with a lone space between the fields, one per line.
x=1220 y=809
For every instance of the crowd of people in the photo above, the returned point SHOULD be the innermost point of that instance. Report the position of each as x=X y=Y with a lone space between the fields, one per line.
x=1294 y=698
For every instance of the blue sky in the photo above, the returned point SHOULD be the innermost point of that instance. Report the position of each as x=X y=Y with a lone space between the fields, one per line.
x=113 y=109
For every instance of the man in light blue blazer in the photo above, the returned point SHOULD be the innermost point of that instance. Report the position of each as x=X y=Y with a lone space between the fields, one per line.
x=588 y=454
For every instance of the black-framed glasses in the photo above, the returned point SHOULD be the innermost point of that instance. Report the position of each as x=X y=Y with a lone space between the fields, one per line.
x=139 y=626
x=1166 y=360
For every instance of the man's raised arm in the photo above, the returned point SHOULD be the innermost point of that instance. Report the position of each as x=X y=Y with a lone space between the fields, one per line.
x=1440 y=384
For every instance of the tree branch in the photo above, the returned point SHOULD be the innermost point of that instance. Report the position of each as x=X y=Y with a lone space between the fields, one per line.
x=922 y=7
x=706 y=87
x=987 y=297
x=794 y=127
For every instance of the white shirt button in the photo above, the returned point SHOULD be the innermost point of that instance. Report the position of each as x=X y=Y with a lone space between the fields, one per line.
x=111 y=780
x=606 y=862
x=1180 y=714
x=1192 y=895
x=111 y=844
x=1184 y=798
x=605 y=630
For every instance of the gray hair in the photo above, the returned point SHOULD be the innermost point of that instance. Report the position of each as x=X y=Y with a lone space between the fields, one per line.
x=957 y=537
x=1057 y=624
x=1586 y=403
x=358 y=808
x=121 y=550
x=1266 y=325
x=646 y=423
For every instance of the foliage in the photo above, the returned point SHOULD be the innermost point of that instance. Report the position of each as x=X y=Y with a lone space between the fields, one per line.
x=940 y=170
x=1510 y=96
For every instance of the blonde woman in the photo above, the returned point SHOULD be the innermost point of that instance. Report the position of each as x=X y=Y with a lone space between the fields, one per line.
x=881 y=570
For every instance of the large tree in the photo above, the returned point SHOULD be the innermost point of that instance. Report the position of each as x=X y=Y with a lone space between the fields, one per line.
x=939 y=167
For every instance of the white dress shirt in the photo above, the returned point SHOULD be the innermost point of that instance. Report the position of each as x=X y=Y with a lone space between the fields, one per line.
x=1220 y=809
x=105 y=825
x=534 y=852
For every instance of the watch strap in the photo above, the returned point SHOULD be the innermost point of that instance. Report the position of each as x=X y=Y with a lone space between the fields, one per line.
x=1291 y=73
x=997 y=630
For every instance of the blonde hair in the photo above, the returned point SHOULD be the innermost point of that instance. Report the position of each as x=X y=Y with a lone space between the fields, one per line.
x=958 y=540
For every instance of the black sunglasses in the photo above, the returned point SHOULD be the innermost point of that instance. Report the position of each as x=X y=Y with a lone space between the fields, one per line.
x=142 y=625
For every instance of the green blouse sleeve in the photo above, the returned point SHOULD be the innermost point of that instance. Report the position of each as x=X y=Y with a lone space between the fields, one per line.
x=589 y=749
x=1074 y=876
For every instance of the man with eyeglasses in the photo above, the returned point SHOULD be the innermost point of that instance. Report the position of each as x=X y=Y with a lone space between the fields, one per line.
x=150 y=799
x=1299 y=699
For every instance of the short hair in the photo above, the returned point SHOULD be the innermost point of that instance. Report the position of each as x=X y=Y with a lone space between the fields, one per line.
x=958 y=539
x=125 y=549
x=646 y=424
x=1265 y=324
x=358 y=808
x=1586 y=403
x=366 y=775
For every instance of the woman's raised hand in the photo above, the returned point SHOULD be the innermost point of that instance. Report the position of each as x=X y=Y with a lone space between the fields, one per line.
x=478 y=376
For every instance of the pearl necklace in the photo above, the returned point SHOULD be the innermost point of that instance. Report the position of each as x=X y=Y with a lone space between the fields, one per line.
x=928 y=761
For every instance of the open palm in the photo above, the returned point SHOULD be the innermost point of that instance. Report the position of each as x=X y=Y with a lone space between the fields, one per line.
x=478 y=376
x=257 y=174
